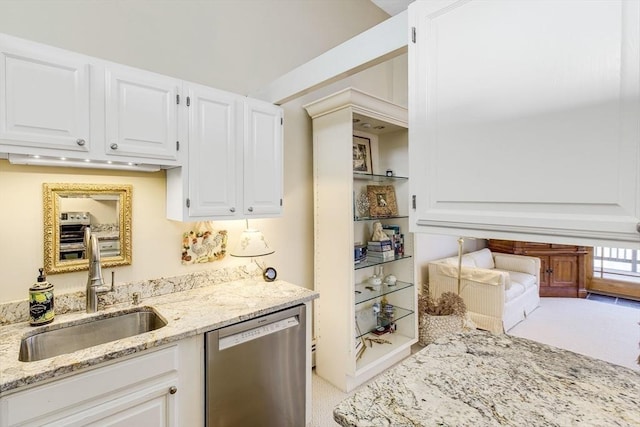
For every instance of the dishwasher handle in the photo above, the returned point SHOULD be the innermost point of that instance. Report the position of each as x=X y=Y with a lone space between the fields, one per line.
x=257 y=332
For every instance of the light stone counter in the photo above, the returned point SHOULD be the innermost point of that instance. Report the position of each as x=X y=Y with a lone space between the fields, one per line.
x=188 y=312
x=479 y=379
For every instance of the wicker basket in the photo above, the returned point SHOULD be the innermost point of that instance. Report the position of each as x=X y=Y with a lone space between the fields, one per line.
x=431 y=327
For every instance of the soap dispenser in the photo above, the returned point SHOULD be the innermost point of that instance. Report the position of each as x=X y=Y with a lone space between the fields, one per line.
x=41 y=309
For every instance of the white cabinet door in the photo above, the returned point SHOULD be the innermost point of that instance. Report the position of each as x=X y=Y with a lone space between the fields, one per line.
x=525 y=120
x=159 y=387
x=141 y=114
x=215 y=165
x=262 y=158
x=44 y=98
x=152 y=406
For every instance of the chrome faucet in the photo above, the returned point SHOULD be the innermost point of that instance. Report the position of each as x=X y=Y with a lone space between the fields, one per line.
x=95 y=283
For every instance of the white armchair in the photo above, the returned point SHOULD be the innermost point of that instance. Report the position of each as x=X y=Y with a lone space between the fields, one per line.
x=499 y=290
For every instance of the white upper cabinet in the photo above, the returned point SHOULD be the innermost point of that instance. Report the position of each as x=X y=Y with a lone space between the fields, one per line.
x=141 y=113
x=44 y=98
x=234 y=167
x=56 y=103
x=262 y=158
x=524 y=120
x=214 y=169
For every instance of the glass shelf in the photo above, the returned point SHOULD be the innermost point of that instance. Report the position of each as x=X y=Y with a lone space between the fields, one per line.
x=368 y=262
x=379 y=218
x=378 y=178
x=399 y=313
x=369 y=294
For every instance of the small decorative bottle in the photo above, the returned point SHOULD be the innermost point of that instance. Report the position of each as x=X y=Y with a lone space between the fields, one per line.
x=41 y=310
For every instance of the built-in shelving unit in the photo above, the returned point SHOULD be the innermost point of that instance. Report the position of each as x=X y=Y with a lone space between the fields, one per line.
x=349 y=309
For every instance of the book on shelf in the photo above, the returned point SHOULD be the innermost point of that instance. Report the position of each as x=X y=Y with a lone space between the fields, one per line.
x=397 y=239
x=384 y=245
x=391 y=229
x=381 y=256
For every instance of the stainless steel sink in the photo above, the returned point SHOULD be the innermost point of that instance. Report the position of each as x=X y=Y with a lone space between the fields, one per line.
x=95 y=331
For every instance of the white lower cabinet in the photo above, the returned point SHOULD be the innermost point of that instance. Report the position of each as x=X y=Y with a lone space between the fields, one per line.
x=161 y=387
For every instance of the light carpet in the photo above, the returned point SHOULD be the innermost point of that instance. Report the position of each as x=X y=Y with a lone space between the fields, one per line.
x=598 y=329
x=601 y=330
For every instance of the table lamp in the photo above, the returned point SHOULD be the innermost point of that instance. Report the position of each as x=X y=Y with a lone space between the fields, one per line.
x=252 y=244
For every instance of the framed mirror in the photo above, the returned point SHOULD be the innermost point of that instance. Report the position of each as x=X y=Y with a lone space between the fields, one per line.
x=70 y=208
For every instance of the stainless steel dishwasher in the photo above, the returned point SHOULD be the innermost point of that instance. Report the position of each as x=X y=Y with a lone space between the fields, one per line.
x=255 y=372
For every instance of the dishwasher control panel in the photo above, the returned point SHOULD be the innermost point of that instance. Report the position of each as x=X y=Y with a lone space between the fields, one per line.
x=255 y=333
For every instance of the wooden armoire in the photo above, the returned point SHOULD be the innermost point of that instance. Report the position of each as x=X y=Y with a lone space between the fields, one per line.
x=563 y=268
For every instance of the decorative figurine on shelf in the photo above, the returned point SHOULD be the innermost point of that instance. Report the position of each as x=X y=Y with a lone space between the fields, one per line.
x=378 y=234
x=390 y=280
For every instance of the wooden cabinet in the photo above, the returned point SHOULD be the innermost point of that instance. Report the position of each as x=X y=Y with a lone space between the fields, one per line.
x=44 y=99
x=155 y=388
x=234 y=168
x=517 y=133
x=141 y=115
x=563 y=268
x=345 y=314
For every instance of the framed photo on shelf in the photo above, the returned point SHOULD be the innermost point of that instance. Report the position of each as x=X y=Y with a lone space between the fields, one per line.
x=362 y=155
x=382 y=201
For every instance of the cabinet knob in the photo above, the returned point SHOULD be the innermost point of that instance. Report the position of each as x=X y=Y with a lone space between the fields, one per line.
x=250 y=209
x=173 y=390
x=114 y=146
x=80 y=141
x=232 y=209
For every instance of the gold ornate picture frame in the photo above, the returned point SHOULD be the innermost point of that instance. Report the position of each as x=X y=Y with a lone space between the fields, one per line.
x=382 y=201
x=53 y=196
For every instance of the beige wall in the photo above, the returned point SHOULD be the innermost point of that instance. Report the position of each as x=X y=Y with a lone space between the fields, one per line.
x=235 y=45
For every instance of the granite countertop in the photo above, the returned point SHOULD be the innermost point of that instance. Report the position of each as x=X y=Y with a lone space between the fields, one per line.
x=480 y=379
x=188 y=313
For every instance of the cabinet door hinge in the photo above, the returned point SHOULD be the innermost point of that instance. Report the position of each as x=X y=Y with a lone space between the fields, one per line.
x=280 y=202
x=177 y=145
x=281 y=121
x=177 y=98
x=413 y=34
x=413 y=201
x=188 y=202
x=188 y=101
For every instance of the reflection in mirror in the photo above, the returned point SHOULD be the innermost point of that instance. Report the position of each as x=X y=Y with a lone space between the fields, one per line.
x=70 y=208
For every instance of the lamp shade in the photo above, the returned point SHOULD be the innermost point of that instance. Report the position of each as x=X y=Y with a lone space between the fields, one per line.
x=251 y=244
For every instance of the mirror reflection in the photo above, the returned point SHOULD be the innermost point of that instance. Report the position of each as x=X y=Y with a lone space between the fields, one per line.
x=70 y=208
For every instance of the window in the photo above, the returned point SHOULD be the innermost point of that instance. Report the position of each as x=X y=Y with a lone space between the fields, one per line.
x=616 y=263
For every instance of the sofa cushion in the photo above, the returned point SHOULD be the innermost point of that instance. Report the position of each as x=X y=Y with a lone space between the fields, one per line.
x=527 y=280
x=513 y=292
x=483 y=258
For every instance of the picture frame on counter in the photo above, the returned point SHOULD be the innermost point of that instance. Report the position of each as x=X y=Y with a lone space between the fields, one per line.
x=362 y=155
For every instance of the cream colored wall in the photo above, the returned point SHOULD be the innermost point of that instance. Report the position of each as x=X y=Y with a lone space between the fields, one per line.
x=235 y=45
